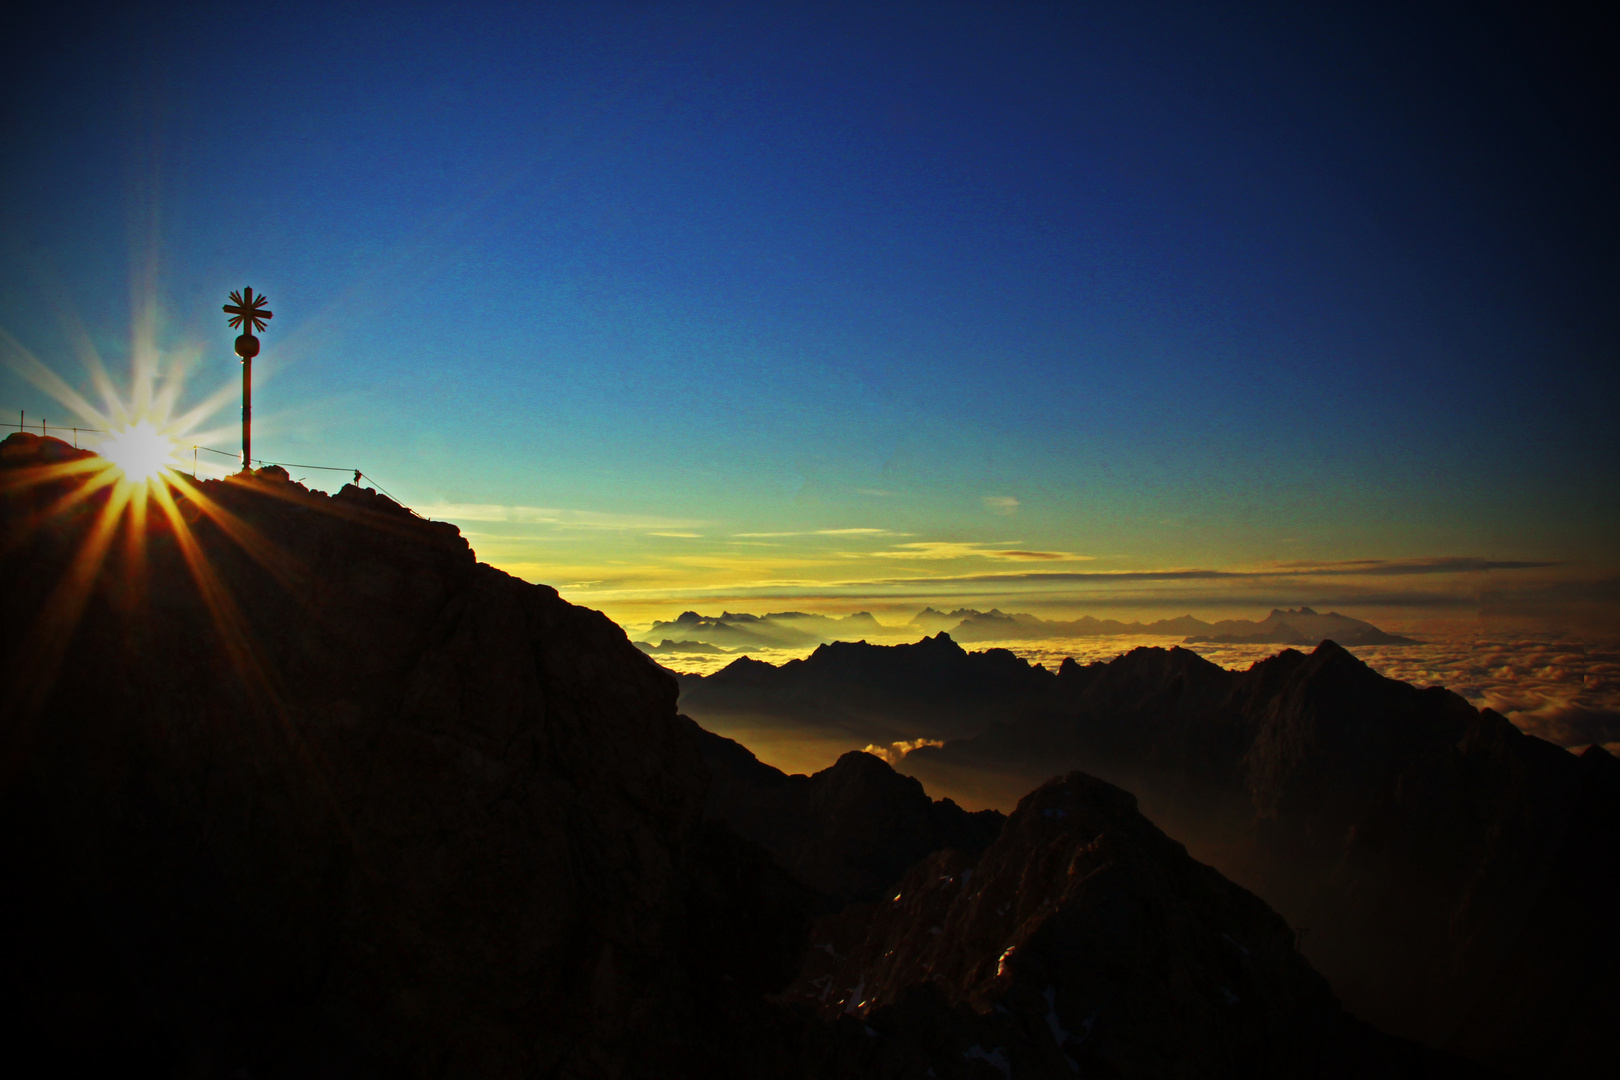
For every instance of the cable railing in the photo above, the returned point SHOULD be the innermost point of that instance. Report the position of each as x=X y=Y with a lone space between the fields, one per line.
x=45 y=430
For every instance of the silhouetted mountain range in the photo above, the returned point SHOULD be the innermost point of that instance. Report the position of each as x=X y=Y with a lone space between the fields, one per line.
x=293 y=786
x=933 y=688
x=1302 y=627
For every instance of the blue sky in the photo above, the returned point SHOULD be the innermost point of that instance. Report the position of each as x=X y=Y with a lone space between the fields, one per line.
x=621 y=287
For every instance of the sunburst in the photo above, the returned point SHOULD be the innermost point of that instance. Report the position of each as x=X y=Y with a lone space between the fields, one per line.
x=141 y=452
x=114 y=507
x=143 y=430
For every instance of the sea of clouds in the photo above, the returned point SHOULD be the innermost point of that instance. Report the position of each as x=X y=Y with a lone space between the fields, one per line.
x=1557 y=686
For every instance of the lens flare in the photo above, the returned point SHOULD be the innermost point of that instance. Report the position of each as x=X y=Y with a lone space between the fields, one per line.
x=141 y=451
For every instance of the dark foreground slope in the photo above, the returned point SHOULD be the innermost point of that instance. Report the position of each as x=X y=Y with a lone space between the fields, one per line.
x=1085 y=942
x=294 y=787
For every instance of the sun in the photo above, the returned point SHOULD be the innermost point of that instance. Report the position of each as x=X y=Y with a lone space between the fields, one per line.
x=141 y=451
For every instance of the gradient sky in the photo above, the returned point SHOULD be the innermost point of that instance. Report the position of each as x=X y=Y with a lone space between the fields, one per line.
x=838 y=306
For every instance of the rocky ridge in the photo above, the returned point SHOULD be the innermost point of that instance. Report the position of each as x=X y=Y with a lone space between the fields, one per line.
x=932 y=689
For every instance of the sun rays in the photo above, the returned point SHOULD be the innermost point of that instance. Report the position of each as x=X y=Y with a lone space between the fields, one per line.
x=146 y=434
x=168 y=566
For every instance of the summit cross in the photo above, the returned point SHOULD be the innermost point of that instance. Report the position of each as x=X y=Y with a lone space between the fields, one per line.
x=245 y=307
x=248 y=312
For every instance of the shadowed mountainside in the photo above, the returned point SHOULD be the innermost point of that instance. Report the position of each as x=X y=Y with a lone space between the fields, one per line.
x=1085 y=942
x=1456 y=875
x=850 y=831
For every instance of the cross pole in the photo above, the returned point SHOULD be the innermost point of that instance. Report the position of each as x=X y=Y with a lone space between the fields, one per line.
x=247 y=311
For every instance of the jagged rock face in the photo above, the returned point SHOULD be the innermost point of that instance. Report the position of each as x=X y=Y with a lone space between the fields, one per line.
x=1086 y=942
x=300 y=785
x=850 y=830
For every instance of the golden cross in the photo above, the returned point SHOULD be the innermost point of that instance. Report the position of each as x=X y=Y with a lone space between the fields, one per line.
x=245 y=307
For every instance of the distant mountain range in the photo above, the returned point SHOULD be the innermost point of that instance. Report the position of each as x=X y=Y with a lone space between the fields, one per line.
x=783 y=629
x=738 y=632
x=1281 y=627
x=678 y=648
x=1302 y=627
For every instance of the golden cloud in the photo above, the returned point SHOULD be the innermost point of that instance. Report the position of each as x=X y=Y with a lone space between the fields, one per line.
x=947 y=549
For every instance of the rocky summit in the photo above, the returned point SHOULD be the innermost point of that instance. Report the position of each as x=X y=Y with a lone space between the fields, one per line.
x=294 y=785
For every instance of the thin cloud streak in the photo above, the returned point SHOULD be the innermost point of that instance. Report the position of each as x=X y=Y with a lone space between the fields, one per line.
x=944 y=549
x=1372 y=568
x=1392 y=567
x=1001 y=504
x=542 y=515
x=825 y=532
